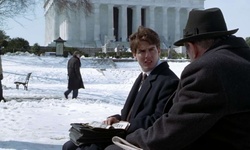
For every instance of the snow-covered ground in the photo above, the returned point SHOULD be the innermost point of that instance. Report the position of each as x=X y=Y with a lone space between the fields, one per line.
x=39 y=119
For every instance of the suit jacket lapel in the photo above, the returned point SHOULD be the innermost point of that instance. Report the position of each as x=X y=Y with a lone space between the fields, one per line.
x=140 y=97
x=132 y=96
x=146 y=87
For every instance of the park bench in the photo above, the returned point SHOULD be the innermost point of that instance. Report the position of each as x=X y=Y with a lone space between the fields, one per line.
x=25 y=83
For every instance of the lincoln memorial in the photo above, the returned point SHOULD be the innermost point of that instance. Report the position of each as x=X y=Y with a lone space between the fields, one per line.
x=112 y=21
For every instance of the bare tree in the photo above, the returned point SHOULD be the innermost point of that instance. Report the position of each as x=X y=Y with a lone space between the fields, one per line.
x=14 y=8
x=11 y=9
x=75 y=5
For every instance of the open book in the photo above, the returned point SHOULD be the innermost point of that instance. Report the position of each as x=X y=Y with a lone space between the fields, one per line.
x=124 y=144
x=119 y=125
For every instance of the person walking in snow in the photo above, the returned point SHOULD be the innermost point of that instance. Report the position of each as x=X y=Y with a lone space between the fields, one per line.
x=1 y=78
x=75 y=81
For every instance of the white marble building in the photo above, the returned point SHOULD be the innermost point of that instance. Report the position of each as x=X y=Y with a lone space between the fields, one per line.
x=112 y=21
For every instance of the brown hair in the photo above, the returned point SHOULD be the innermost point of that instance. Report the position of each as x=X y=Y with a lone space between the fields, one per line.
x=143 y=34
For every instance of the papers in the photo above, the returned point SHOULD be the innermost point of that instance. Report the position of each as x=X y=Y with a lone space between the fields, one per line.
x=124 y=144
x=120 y=125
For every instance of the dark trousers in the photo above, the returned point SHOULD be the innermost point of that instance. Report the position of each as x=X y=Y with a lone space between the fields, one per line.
x=71 y=146
x=75 y=93
x=1 y=91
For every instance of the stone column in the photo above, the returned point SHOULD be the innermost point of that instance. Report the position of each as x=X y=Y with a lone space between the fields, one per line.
x=136 y=18
x=56 y=25
x=72 y=28
x=177 y=23
x=122 y=23
x=111 y=22
x=97 y=22
x=67 y=26
x=152 y=17
x=165 y=22
x=184 y=20
x=82 y=28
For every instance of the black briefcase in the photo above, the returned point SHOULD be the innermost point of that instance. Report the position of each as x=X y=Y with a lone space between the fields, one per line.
x=81 y=133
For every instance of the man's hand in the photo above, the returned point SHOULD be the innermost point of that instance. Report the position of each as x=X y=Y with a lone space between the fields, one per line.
x=111 y=120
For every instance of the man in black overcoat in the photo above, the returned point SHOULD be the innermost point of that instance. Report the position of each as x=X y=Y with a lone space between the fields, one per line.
x=211 y=107
x=75 y=81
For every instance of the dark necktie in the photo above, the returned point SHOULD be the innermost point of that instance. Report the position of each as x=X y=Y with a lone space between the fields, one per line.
x=144 y=76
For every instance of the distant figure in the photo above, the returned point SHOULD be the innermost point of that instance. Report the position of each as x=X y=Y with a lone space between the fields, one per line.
x=117 y=48
x=123 y=48
x=169 y=52
x=117 y=51
x=74 y=76
x=1 y=78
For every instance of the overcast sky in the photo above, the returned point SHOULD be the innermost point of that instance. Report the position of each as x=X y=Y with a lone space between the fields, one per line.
x=33 y=29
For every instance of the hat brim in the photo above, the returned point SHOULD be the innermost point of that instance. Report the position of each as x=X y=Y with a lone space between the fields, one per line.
x=203 y=36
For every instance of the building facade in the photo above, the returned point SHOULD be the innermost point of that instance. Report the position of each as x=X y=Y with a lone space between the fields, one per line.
x=112 y=21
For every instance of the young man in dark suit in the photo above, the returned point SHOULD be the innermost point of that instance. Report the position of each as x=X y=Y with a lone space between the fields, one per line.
x=146 y=101
x=211 y=107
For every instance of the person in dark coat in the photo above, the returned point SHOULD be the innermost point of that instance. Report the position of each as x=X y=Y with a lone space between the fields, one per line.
x=75 y=81
x=211 y=107
x=146 y=101
x=1 y=78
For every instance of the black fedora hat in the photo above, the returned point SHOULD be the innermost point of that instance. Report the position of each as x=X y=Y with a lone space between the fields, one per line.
x=203 y=24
